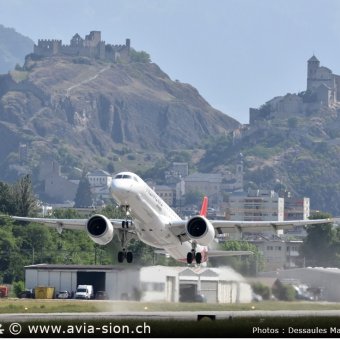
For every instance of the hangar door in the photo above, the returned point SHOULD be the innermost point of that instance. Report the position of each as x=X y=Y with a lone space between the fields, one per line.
x=209 y=290
x=170 y=288
x=96 y=279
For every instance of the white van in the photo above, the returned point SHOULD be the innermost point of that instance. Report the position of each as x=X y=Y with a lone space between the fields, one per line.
x=84 y=292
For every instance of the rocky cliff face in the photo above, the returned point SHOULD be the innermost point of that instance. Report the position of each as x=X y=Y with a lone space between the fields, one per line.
x=86 y=108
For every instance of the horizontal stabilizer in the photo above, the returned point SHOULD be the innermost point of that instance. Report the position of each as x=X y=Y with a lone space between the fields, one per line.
x=220 y=253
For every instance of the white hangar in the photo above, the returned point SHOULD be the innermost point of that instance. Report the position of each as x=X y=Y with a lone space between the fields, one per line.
x=154 y=283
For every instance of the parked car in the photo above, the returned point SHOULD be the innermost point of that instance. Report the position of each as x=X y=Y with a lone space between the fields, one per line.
x=84 y=292
x=101 y=295
x=193 y=298
x=64 y=294
x=256 y=297
x=26 y=294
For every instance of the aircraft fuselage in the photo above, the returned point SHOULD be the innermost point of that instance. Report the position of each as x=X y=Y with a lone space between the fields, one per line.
x=151 y=215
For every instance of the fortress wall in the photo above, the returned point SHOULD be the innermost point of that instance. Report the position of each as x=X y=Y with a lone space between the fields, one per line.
x=92 y=47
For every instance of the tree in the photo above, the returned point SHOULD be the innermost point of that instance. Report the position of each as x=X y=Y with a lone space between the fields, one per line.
x=83 y=196
x=23 y=197
x=292 y=122
x=139 y=57
x=110 y=168
x=321 y=246
x=261 y=289
x=283 y=291
x=7 y=204
x=247 y=265
x=7 y=248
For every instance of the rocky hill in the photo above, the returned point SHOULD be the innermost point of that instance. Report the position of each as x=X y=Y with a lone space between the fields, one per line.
x=13 y=48
x=299 y=152
x=84 y=112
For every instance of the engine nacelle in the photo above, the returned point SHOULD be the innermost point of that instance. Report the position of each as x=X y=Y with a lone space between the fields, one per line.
x=100 y=229
x=200 y=230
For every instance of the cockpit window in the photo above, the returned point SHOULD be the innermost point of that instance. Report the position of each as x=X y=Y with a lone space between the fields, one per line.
x=123 y=177
x=135 y=178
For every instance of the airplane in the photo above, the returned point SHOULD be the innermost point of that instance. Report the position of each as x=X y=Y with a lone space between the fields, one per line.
x=151 y=220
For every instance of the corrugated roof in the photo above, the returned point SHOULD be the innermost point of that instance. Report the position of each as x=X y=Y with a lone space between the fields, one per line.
x=77 y=267
x=99 y=172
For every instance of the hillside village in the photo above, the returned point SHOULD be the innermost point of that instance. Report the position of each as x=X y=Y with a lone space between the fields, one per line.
x=227 y=198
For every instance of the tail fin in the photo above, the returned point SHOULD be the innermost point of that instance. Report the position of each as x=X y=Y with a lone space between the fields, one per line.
x=204 y=208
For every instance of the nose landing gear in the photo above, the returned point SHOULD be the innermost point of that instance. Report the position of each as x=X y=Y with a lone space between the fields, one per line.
x=125 y=237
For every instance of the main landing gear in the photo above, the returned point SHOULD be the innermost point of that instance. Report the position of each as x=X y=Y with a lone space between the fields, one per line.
x=122 y=255
x=194 y=255
x=125 y=237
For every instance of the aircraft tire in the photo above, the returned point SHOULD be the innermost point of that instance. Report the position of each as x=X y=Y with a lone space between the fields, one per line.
x=121 y=257
x=129 y=257
x=190 y=257
x=198 y=258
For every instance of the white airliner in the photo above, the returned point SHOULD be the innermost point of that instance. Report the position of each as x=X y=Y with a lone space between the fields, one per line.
x=155 y=223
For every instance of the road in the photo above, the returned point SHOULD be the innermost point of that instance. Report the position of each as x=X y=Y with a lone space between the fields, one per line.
x=218 y=315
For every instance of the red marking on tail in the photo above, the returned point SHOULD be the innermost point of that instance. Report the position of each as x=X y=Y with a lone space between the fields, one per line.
x=204 y=208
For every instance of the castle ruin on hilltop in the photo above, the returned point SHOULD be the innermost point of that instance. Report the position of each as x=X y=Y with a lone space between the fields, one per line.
x=92 y=47
x=323 y=83
x=323 y=91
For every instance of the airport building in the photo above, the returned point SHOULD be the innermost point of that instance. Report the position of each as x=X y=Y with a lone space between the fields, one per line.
x=256 y=205
x=154 y=283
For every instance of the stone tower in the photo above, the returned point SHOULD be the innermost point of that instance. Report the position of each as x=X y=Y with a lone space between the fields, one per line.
x=313 y=65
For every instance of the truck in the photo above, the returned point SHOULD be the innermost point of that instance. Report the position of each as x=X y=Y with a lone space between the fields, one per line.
x=84 y=292
x=3 y=291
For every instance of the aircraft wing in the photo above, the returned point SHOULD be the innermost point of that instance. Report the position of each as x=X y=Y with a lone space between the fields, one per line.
x=225 y=226
x=222 y=226
x=61 y=223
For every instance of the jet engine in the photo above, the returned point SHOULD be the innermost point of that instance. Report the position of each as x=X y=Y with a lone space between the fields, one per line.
x=201 y=230
x=100 y=229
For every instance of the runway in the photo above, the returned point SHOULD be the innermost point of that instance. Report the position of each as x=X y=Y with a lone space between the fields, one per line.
x=189 y=316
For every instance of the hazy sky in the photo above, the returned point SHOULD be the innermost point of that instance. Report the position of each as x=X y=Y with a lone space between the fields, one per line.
x=237 y=53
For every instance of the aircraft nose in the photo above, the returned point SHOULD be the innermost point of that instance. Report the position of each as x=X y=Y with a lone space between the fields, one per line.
x=118 y=186
x=120 y=189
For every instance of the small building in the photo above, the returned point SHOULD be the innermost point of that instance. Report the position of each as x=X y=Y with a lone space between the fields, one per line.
x=277 y=252
x=56 y=187
x=100 y=183
x=99 y=178
x=207 y=184
x=118 y=282
x=154 y=283
x=167 y=193
x=256 y=205
x=297 y=209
